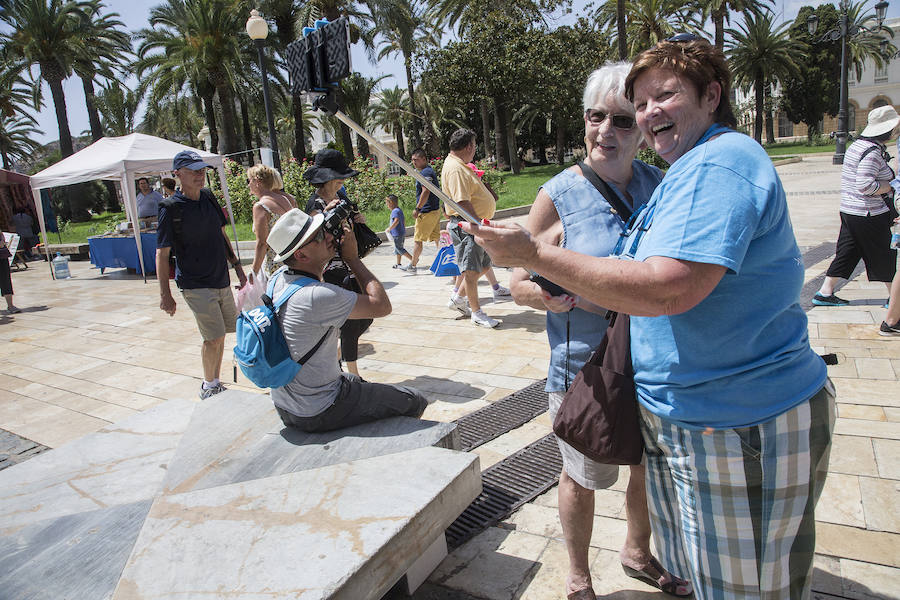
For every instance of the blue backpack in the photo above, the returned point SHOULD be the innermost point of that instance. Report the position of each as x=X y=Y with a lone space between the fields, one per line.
x=261 y=349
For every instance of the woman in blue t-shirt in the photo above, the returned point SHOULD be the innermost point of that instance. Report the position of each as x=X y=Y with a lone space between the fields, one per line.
x=737 y=412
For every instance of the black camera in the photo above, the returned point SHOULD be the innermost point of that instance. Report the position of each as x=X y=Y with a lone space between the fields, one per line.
x=335 y=218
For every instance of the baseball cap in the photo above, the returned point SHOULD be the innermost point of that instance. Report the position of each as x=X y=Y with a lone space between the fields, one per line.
x=188 y=159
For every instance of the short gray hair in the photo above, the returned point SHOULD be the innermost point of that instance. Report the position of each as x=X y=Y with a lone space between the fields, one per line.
x=605 y=81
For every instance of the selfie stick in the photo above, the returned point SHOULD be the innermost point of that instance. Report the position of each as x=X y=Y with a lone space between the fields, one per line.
x=327 y=104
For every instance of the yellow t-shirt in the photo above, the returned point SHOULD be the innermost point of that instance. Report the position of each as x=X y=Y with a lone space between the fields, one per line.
x=460 y=183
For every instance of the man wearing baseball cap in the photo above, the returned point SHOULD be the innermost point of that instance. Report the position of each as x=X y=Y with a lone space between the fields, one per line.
x=192 y=225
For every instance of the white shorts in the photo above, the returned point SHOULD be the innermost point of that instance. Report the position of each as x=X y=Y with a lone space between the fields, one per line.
x=587 y=473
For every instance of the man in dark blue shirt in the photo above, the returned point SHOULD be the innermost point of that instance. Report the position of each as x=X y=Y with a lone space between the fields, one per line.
x=426 y=214
x=191 y=222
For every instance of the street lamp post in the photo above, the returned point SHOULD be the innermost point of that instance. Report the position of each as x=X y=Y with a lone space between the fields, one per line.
x=843 y=32
x=258 y=29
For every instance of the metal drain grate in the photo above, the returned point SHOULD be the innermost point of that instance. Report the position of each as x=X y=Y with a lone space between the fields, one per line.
x=508 y=485
x=816 y=254
x=15 y=449
x=504 y=415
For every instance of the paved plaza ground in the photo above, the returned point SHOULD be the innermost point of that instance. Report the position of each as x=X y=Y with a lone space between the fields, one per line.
x=95 y=349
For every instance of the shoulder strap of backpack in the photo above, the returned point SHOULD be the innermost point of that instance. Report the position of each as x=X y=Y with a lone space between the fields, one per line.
x=621 y=209
x=867 y=151
x=289 y=291
x=174 y=208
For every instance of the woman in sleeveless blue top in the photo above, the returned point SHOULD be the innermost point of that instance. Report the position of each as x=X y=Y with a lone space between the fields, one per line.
x=571 y=212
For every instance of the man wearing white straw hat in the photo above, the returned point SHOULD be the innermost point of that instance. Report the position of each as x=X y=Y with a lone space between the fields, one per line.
x=321 y=397
x=867 y=201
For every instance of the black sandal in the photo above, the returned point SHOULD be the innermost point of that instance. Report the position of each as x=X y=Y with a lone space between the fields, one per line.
x=676 y=586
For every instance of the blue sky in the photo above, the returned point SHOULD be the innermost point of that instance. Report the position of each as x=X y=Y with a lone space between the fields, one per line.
x=134 y=14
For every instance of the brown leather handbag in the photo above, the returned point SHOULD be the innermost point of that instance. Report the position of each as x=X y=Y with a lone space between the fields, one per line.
x=599 y=414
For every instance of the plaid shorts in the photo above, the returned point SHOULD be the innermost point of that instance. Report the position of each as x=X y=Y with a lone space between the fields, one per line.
x=733 y=509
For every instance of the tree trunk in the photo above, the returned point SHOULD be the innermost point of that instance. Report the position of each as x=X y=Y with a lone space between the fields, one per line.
x=247 y=159
x=500 y=151
x=415 y=138
x=621 y=31
x=299 y=149
x=512 y=145
x=560 y=141
x=770 y=125
x=346 y=139
x=87 y=83
x=485 y=127
x=760 y=107
x=211 y=124
x=362 y=146
x=718 y=19
x=432 y=144
x=398 y=136
x=229 y=120
x=66 y=147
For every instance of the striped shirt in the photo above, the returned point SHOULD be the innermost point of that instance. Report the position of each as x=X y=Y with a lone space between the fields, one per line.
x=860 y=179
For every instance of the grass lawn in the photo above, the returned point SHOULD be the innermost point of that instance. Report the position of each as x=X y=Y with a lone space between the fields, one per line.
x=520 y=191
x=783 y=150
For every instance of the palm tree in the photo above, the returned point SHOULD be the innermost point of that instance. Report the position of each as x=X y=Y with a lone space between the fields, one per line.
x=867 y=44
x=287 y=16
x=118 y=106
x=404 y=26
x=46 y=33
x=649 y=21
x=16 y=93
x=357 y=95
x=465 y=13
x=390 y=112
x=718 y=11
x=101 y=52
x=760 y=55
x=197 y=41
x=175 y=117
x=15 y=139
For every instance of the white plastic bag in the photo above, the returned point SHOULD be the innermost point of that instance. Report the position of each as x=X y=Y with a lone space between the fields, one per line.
x=250 y=296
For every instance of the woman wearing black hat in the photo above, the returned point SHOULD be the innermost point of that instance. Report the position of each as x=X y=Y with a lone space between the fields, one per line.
x=327 y=175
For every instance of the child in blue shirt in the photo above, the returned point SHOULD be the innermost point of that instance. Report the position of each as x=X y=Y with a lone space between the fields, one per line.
x=397 y=231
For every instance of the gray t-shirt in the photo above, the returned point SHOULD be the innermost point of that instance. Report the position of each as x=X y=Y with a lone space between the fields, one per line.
x=148 y=205
x=305 y=318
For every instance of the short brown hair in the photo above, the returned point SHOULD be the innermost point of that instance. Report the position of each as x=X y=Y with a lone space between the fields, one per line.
x=698 y=61
x=168 y=183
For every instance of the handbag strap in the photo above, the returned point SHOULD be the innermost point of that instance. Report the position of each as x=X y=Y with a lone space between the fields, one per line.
x=623 y=210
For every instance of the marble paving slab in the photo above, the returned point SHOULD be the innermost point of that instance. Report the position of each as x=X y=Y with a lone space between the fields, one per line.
x=345 y=531
x=76 y=557
x=238 y=436
x=122 y=463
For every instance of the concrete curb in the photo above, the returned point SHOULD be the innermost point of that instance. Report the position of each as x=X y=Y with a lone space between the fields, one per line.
x=787 y=161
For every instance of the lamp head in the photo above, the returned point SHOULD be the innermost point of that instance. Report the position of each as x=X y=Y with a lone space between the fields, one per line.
x=257 y=28
x=812 y=23
x=881 y=11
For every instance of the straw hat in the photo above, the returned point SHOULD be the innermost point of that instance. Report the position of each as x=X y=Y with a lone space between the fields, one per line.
x=292 y=229
x=881 y=120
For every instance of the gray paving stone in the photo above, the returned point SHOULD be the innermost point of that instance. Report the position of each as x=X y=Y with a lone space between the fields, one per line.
x=76 y=557
x=237 y=436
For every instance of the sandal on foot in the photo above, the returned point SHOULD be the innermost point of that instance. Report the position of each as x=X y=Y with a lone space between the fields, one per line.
x=653 y=572
x=583 y=594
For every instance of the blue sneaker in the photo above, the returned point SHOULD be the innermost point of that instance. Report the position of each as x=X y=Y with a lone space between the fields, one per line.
x=832 y=300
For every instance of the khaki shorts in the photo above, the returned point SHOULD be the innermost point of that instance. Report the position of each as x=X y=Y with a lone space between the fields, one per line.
x=428 y=227
x=585 y=472
x=213 y=309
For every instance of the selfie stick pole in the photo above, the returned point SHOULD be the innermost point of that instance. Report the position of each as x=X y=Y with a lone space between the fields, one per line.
x=325 y=103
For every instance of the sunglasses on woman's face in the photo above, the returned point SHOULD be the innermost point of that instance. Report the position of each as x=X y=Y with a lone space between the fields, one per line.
x=596 y=116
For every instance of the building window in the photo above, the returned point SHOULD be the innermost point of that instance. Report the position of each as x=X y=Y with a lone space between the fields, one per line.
x=785 y=127
x=881 y=73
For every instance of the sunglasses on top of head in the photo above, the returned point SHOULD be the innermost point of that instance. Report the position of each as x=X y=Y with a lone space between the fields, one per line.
x=597 y=116
x=684 y=37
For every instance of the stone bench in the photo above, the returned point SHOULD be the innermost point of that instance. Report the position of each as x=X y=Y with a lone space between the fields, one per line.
x=220 y=499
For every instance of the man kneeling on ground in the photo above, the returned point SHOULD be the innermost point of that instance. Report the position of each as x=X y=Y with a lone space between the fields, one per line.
x=321 y=397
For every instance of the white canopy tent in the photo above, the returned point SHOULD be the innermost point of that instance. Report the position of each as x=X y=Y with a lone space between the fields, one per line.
x=121 y=159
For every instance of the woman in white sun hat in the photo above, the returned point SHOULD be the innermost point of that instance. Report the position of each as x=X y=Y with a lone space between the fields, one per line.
x=866 y=202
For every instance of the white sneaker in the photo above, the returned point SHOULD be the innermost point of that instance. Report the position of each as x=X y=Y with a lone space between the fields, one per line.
x=501 y=292
x=460 y=304
x=411 y=269
x=479 y=318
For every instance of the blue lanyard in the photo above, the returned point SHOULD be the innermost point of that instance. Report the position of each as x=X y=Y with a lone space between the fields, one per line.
x=641 y=220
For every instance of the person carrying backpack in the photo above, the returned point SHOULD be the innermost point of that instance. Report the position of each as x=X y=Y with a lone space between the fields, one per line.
x=321 y=397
